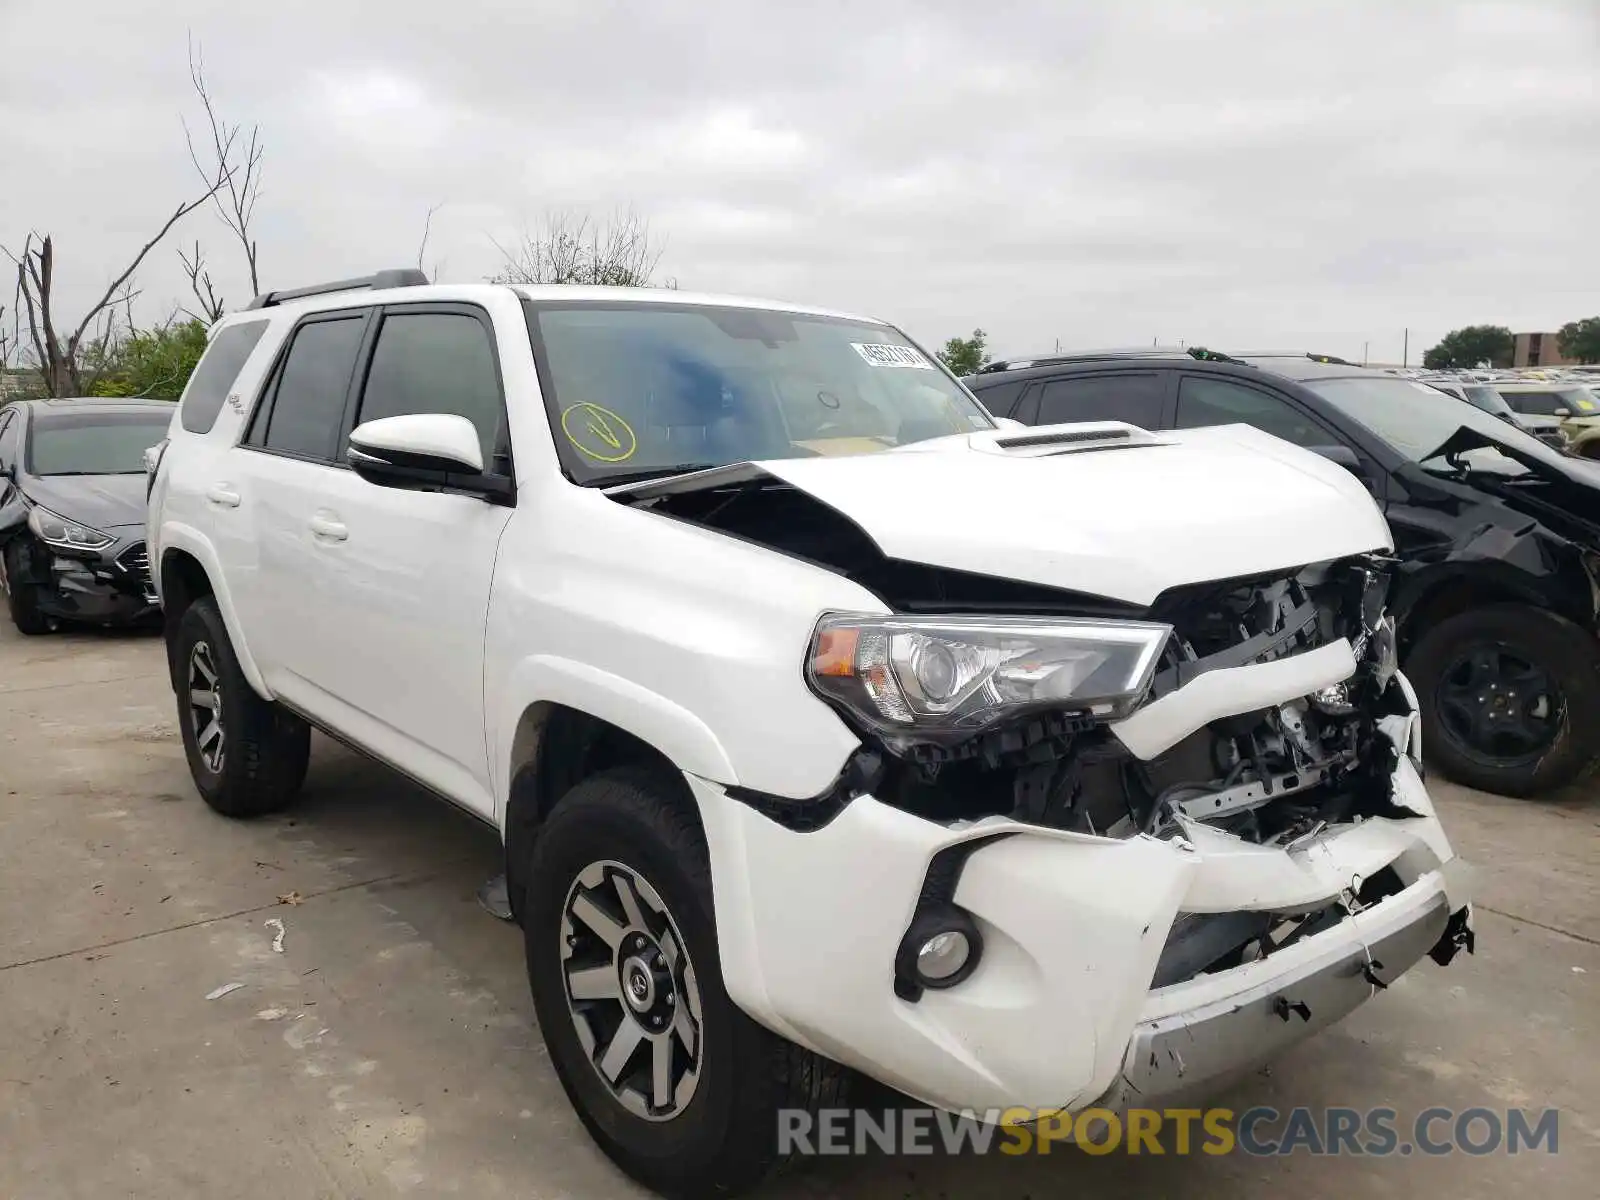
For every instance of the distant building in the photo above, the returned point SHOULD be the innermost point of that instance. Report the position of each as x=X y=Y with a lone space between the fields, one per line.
x=1538 y=350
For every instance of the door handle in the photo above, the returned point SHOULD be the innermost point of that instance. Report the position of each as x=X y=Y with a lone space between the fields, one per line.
x=328 y=528
x=223 y=494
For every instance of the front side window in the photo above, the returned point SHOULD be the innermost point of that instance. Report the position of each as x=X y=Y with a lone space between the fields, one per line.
x=94 y=443
x=1203 y=401
x=649 y=388
x=1542 y=403
x=1125 y=396
x=433 y=362
x=308 y=402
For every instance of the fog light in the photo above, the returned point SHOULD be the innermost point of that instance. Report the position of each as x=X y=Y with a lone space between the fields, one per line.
x=942 y=956
x=940 y=950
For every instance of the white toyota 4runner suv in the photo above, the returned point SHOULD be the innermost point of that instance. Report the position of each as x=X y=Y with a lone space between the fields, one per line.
x=829 y=725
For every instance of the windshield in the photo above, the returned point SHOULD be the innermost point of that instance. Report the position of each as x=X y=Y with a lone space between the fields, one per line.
x=1415 y=419
x=634 y=389
x=94 y=443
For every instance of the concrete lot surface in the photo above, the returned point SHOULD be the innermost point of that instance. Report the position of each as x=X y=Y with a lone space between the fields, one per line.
x=389 y=1048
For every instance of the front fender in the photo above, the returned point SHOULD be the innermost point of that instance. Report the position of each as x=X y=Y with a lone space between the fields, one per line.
x=174 y=535
x=662 y=723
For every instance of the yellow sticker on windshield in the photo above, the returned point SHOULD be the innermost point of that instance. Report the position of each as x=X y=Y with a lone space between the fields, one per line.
x=599 y=433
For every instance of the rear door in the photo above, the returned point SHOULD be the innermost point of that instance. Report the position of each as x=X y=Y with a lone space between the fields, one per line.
x=274 y=498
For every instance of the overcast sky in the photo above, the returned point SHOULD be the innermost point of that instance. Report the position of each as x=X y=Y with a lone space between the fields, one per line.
x=1245 y=174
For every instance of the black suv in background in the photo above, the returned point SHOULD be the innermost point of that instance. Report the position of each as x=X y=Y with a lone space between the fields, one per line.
x=1498 y=536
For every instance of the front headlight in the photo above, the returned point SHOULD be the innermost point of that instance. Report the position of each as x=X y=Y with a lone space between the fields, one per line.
x=955 y=675
x=55 y=530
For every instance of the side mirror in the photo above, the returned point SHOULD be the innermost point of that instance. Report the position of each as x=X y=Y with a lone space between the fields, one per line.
x=1563 y=412
x=1343 y=455
x=425 y=452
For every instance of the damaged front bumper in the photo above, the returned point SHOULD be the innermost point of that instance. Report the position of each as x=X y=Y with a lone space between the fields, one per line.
x=105 y=587
x=1076 y=999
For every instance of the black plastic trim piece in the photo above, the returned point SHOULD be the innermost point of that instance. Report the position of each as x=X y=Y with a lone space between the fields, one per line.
x=862 y=772
x=936 y=904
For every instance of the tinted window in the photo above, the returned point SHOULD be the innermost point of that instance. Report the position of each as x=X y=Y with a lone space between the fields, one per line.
x=1203 y=401
x=95 y=443
x=308 y=404
x=219 y=367
x=435 y=363
x=1001 y=399
x=1135 y=398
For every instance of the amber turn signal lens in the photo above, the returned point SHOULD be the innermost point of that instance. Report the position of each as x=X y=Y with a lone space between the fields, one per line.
x=836 y=653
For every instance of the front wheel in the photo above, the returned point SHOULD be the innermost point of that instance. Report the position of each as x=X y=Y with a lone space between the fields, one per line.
x=677 y=1085
x=22 y=599
x=1510 y=698
x=247 y=755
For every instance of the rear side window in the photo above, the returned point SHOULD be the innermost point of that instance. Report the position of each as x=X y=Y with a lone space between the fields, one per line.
x=219 y=367
x=1132 y=397
x=435 y=362
x=1001 y=399
x=307 y=404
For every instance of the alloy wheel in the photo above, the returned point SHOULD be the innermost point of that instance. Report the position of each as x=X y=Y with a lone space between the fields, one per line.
x=631 y=990
x=205 y=707
x=1500 y=705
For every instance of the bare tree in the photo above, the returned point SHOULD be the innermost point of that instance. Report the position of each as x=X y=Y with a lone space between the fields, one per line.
x=422 y=247
x=65 y=362
x=194 y=266
x=234 y=157
x=567 y=248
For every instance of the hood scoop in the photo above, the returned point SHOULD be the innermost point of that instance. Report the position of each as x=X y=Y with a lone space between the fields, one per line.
x=1067 y=439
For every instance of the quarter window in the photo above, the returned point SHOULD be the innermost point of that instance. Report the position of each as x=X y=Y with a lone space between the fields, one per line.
x=219 y=367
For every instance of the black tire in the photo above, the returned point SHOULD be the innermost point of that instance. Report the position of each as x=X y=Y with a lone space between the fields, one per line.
x=264 y=749
x=1566 y=653
x=724 y=1138
x=22 y=599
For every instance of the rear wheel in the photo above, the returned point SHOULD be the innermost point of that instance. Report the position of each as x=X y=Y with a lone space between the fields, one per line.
x=22 y=599
x=1510 y=698
x=677 y=1085
x=247 y=755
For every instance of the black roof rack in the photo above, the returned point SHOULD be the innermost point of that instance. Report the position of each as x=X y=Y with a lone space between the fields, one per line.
x=403 y=277
x=1060 y=358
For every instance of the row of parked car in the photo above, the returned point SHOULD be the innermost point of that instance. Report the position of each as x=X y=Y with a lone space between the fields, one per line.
x=1560 y=408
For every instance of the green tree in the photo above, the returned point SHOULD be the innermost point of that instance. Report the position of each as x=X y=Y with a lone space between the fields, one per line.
x=966 y=356
x=1580 y=340
x=1472 y=347
x=154 y=364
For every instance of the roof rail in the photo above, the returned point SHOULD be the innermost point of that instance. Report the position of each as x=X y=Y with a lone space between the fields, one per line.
x=402 y=277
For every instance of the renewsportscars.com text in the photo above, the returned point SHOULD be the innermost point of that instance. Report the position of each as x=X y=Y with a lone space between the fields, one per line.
x=1260 y=1131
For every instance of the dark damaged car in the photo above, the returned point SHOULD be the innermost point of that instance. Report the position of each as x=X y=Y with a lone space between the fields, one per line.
x=1496 y=591
x=72 y=504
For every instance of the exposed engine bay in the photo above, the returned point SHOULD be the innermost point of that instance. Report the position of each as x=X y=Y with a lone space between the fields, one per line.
x=1270 y=776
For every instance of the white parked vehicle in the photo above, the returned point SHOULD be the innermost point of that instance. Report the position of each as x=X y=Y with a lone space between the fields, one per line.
x=827 y=724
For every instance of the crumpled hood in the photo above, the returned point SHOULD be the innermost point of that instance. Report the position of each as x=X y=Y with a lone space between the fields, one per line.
x=104 y=501
x=1123 y=522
